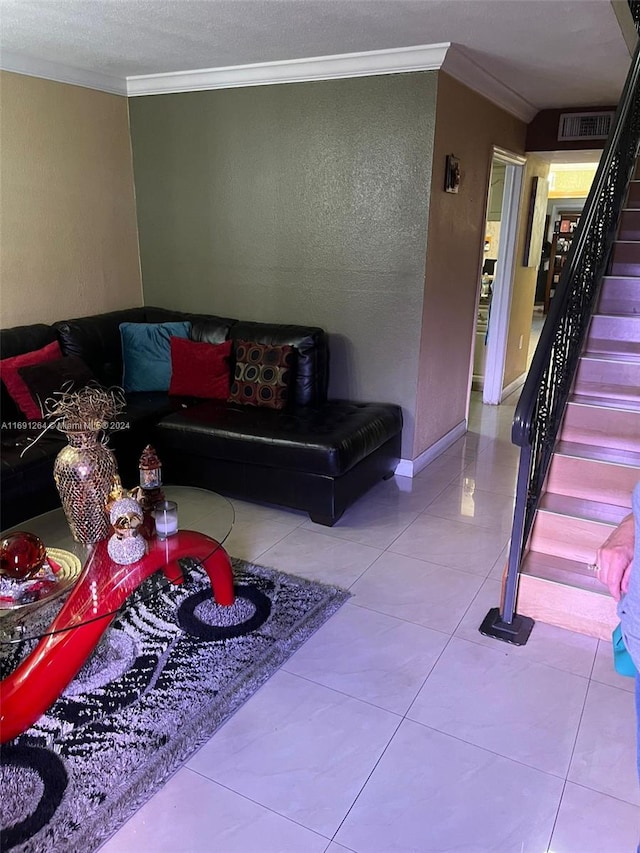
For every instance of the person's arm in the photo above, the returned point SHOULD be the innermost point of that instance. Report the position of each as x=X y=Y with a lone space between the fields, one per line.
x=615 y=556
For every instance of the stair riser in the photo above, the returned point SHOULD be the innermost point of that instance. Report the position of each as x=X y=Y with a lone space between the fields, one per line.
x=574 y=609
x=633 y=198
x=564 y=536
x=592 y=371
x=597 y=481
x=608 y=328
x=625 y=259
x=614 y=428
x=620 y=296
x=629 y=225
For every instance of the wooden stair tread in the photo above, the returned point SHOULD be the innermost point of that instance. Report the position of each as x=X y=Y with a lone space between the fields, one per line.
x=563 y=592
x=597 y=511
x=620 y=314
x=625 y=318
x=604 y=402
x=617 y=357
x=609 y=391
x=630 y=458
x=615 y=316
x=611 y=345
x=560 y=570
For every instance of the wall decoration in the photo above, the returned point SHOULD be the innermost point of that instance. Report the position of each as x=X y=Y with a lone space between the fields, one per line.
x=536 y=214
x=451 y=174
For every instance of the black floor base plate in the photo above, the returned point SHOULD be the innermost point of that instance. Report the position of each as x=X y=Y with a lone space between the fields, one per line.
x=516 y=632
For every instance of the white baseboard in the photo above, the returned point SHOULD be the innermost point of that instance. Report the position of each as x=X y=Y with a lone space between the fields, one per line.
x=477 y=384
x=513 y=386
x=411 y=467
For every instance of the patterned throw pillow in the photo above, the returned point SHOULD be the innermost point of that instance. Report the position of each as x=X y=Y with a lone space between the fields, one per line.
x=262 y=375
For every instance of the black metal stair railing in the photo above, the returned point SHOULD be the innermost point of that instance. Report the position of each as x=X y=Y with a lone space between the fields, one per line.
x=540 y=408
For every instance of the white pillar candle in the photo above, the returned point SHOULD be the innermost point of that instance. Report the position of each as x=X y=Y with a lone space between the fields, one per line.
x=165 y=515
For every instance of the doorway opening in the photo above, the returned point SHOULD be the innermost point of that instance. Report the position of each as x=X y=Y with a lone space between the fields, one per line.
x=570 y=177
x=496 y=277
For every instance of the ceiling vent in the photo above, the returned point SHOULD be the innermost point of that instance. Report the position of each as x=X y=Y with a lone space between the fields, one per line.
x=575 y=126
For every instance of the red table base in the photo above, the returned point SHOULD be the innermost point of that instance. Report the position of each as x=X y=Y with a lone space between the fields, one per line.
x=100 y=592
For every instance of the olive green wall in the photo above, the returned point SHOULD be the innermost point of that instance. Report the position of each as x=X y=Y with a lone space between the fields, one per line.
x=300 y=203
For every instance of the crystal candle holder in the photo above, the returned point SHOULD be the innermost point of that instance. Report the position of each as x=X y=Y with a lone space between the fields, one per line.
x=165 y=516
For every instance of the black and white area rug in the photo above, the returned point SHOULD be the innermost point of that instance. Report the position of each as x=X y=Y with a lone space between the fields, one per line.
x=166 y=675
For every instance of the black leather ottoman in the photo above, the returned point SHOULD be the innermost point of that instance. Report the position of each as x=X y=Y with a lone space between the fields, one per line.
x=318 y=459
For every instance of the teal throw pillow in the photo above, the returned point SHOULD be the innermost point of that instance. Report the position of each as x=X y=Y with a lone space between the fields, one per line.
x=146 y=354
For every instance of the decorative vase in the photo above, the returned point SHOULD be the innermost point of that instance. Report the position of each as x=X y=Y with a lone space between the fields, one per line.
x=84 y=472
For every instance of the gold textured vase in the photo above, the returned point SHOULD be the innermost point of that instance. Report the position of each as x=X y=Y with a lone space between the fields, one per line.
x=84 y=472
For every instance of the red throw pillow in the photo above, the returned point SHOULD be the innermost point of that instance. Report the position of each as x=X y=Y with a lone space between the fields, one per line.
x=199 y=369
x=16 y=386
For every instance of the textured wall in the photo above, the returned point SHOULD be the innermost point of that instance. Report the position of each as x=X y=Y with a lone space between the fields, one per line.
x=468 y=126
x=67 y=209
x=300 y=203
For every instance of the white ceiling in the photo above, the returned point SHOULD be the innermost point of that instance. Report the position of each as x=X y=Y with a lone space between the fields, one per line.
x=539 y=53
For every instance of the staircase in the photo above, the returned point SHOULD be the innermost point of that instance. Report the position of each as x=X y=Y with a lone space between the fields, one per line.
x=596 y=461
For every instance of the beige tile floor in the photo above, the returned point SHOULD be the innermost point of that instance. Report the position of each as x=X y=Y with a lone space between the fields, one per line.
x=398 y=728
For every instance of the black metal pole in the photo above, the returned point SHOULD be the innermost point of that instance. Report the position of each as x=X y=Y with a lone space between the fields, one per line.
x=503 y=623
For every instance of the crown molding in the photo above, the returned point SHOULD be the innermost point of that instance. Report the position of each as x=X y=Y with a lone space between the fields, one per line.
x=365 y=64
x=19 y=64
x=459 y=65
x=450 y=57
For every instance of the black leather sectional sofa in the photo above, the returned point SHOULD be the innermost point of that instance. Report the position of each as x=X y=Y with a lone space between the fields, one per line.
x=316 y=455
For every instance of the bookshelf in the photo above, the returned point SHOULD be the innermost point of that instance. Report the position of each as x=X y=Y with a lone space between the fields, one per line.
x=563 y=231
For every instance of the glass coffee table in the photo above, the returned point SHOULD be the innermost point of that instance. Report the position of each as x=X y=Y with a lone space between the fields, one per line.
x=61 y=626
